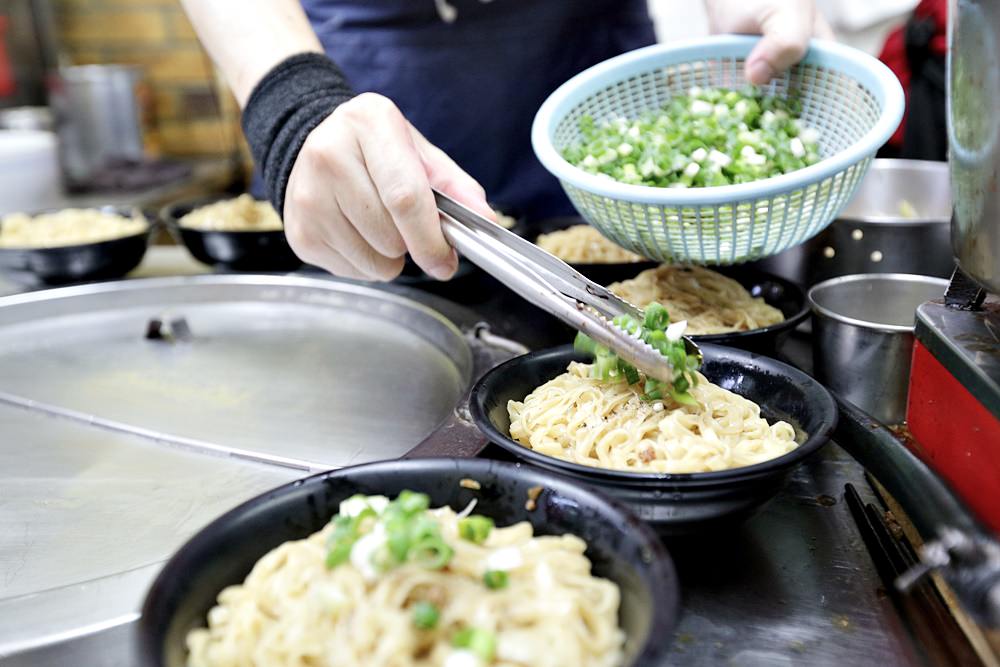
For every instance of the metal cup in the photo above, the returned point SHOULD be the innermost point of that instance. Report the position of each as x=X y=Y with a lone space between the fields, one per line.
x=863 y=337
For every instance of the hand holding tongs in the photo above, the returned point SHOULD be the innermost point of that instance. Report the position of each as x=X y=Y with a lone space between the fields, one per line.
x=551 y=284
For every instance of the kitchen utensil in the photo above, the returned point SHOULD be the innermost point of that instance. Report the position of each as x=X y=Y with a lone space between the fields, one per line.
x=83 y=262
x=250 y=250
x=675 y=503
x=863 y=337
x=98 y=119
x=552 y=285
x=897 y=222
x=853 y=100
x=620 y=546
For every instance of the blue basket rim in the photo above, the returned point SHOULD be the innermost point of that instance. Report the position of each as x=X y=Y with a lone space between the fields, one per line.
x=867 y=70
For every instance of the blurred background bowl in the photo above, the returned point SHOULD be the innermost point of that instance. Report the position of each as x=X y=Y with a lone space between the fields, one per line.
x=249 y=250
x=62 y=265
x=897 y=222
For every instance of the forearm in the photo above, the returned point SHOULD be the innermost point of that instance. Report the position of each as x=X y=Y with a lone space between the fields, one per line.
x=248 y=38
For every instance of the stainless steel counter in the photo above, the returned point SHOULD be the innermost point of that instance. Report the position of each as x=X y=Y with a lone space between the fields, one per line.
x=792 y=586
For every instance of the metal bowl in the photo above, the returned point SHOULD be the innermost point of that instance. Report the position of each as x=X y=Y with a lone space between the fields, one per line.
x=230 y=250
x=62 y=265
x=863 y=337
x=620 y=546
x=675 y=503
x=898 y=222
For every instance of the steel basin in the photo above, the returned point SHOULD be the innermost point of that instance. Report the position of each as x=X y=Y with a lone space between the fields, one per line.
x=863 y=337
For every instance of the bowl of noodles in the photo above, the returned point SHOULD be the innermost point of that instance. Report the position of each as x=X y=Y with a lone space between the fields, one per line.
x=683 y=468
x=738 y=305
x=231 y=233
x=735 y=305
x=72 y=245
x=418 y=563
x=584 y=248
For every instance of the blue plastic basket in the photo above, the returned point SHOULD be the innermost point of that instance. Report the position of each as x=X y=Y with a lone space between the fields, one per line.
x=853 y=101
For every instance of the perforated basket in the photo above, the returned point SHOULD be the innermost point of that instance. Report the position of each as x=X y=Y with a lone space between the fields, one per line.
x=852 y=100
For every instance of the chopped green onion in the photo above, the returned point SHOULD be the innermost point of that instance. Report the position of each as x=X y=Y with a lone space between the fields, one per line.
x=608 y=366
x=475 y=528
x=339 y=553
x=412 y=502
x=496 y=579
x=431 y=552
x=708 y=137
x=481 y=642
x=425 y=615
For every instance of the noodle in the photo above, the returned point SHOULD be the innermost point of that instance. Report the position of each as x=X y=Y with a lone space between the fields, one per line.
x=294 y=610
x=584 y=420
x=710 y=302
x=242 y=214
x=71 y=226
x=582 y=244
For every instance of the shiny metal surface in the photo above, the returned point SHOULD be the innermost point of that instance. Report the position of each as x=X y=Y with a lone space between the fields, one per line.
x=310 y=373
x=863 y=337
x=114 y=449
x=973 y=81
x=898 y=222
x=87 y=515
x=98 y=118
x=792 y=587
x=553 y=285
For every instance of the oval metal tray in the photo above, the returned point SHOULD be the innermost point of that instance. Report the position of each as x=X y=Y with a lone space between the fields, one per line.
x=116 y=448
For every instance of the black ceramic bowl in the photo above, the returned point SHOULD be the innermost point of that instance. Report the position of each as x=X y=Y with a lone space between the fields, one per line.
x=778 y=292
x=675 y=503
x=61 y=265
x=602 y=274
x=266 y=251
x=620 y=546
x=783 y=294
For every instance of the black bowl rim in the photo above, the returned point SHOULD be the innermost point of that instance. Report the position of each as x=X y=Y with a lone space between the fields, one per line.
x=660 y=566
x=757 y=275
x=787 y=324
x=827 y=409
x=168 y=216
x=152 y=222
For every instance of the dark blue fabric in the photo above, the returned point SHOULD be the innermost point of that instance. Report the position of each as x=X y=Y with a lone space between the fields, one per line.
x=473 y=86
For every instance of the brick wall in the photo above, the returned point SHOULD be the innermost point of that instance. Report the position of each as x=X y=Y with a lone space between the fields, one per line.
x=192 y=113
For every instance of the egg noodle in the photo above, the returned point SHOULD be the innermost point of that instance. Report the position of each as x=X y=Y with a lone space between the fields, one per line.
x=242 y=214
x=294 y=609
x=607 y=424
x=71 y=226
x=582 y=244
x=709 y=301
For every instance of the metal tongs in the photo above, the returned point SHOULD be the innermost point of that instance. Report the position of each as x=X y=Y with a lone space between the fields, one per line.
x=552 y=285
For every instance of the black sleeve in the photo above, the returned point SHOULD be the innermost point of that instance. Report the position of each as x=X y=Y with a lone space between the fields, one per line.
x=283 y=108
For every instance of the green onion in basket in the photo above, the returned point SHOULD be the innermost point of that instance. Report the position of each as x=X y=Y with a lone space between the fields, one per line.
x=706 y=138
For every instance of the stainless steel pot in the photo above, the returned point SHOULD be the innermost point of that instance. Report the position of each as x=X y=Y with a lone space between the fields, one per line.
x=863 y=337
x=98 y=119
x=974 y=136
x=898 y=222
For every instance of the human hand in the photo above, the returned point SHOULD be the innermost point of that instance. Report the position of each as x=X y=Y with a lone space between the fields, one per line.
x=786 y=26
x=359 y=195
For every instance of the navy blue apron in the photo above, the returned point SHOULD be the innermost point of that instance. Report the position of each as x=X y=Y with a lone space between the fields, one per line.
x=472 y=85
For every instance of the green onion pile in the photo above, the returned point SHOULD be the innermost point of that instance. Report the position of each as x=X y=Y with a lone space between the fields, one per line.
x=708 y=137
x=656 y=330
x=404 y=531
